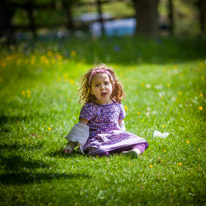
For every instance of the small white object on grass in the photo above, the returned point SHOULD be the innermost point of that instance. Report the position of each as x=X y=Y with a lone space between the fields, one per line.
x=159 y=134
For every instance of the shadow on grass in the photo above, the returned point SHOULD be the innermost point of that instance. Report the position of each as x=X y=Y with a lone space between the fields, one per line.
x=16 y=163
x=9 y=119
x=17 y=146
x=6 y=120
x=13 y=175
x=21 y=178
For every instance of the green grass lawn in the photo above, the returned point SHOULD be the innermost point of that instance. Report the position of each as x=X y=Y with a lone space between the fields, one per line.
x=164 y=82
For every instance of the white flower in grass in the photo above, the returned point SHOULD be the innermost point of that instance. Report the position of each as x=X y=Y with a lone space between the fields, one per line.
x=148 y=111
x=159 y=134
x=158 y=86
x=175 y=71
x=161 y=94
x=148 y=86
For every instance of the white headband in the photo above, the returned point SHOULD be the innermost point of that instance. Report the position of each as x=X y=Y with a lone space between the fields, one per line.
x=99 y=71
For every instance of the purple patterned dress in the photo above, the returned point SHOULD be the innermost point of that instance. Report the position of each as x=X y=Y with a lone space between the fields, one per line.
x=105 y=133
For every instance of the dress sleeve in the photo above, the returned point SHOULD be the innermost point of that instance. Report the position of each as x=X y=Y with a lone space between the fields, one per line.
x=86 y=112
x=122 y=114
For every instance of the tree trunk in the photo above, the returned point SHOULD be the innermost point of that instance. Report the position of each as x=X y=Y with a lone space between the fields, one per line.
x=67 y=5
x=202 y=9
x=146 y=17
x=99 y=10
x=30 y=11
x=6 y=29
x=70 y=22
x=171 y=16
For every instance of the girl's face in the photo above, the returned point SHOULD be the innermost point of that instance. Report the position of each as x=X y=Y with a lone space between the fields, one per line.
x=101 y=88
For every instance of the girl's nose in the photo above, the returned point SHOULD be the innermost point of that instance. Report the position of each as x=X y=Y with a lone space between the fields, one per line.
x=102 y=86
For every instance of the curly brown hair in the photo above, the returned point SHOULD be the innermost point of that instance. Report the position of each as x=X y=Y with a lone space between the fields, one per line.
x=85 y=88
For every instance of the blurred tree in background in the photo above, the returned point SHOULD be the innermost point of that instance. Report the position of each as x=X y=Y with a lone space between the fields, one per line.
x=146 y=17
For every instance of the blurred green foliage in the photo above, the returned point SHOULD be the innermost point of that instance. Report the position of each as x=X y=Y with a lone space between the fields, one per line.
x=186 y=14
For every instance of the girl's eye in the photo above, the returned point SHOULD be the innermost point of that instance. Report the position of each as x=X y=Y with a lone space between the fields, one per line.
x=96 y=85
x=106 y=83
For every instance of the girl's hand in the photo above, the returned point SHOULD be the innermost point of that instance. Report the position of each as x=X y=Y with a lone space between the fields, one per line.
x=120 y=122
x=66 y=151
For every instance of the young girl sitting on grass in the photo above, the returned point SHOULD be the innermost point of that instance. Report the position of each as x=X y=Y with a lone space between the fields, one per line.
x=101 y=129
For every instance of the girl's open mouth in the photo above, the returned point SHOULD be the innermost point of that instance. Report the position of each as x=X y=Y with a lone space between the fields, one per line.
x=103 y=94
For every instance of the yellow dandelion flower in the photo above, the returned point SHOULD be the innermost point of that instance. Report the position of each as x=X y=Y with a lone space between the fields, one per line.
x=28 y=95
x=28 y=92
x=180 y=164
x=59 y=79
x=46 y=61
x=53 y=61
x=8 y=58
x=19 y=61
x=71 y=81
x=202 y=78
x=26 y=61
x=73 y=53
x=200 y=108
x=165 y=150
x=201 y=95
x=188 y=141
x=168 y=84
x=32 y=62
x=163 y=126
x=142 y=85
x=65 y=75
x=180 y=93
x=198 y=150
x=138 y=113
x=60 y=58
x=49 y=53
x=151 y=166
x=23 y=93
x=49 y=128
x=126 y=108
x=42 y=58
x=4 y=64
x=201 y=64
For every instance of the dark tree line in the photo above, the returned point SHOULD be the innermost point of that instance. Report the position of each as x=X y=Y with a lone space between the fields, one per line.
x=146 y=14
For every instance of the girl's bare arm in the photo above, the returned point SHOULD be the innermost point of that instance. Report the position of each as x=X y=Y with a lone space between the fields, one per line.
x=83 y=121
